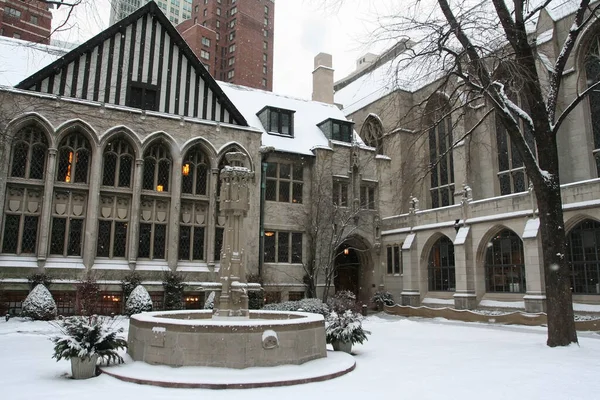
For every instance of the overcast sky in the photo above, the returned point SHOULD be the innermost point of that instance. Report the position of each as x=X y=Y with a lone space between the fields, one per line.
x=303 y=28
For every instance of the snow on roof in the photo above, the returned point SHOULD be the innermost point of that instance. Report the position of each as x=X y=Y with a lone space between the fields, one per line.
x=559 y=9
x=20 y=59
x=308 y=114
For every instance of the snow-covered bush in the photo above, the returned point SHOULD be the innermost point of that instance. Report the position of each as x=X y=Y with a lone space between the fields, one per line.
x=383 y=298
x=342 y=301
x=345 y=327
x=39 y=304
x=138 y=301
x=209 y=304
x=130 y=282
x=315 y=306
x=87 y=336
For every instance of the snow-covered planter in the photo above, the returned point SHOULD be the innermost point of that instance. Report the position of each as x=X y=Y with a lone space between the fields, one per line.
x=345 y=329
x=315 y=306
x=382 y=298
x=84 y=340
x=342 y=301
x=138 y=301
x=39 y=304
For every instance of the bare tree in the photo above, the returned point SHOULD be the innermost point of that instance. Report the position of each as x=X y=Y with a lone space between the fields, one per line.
x=478 y=51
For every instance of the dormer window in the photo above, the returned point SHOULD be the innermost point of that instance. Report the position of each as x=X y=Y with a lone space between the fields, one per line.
x=336 y=129
x=277 y=120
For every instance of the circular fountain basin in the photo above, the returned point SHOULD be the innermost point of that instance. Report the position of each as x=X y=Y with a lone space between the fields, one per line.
x=194 y=338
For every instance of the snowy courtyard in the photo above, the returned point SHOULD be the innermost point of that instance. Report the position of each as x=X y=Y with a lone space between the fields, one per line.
x=404 y=358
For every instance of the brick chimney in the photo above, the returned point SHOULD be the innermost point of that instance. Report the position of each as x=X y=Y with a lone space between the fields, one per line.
x=323 y=79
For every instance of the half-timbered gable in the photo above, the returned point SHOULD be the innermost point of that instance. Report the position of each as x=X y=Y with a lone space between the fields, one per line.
x=140 y=62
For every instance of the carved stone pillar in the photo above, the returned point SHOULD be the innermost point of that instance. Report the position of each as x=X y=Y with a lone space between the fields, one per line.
x=45 y=217
x=234 y=205
x=174 y=213
x=134 y=221
x=91 y=223
x=410 y=272
x=465 y=297
x=535 y=299
x=212 y=217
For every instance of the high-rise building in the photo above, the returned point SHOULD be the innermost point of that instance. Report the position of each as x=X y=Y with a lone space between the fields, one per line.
x=232 y=38
x=26 y=19
x=242 y=52
x=176 y=10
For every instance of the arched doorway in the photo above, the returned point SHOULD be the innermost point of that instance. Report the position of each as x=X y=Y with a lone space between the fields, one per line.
x=351 y=261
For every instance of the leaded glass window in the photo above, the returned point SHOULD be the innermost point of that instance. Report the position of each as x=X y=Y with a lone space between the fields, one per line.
x=394 y=260
x=504 y=264
x=340 y=193
x=30 y=147
x=511 y=171
x=68 y=216
x=154 y=218
x=194 y=172
x=118 y=164
x=277 y=246
x=440 y=156
x=192 y=231
x=157 y=168
x=74 y=159
x=367 y=197
x=284 y=182
x=113 y=225
x=21 y=220
x=583 y=255
x=592 y=70
x=441 y=266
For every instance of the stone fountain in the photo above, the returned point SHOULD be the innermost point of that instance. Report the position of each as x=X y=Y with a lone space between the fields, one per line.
x=232 y=336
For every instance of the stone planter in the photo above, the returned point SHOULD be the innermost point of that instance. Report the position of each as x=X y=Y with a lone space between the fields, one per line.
x=84 y=368
x=339 y=345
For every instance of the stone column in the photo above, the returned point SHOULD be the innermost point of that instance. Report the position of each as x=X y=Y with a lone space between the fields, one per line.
x=535 y=298
x=91 y=223
x=465 y=297
x=174 y=217
x=234 y=203
x=134 y=218
x=211 y=223
x=46 y=216
x=410 y=272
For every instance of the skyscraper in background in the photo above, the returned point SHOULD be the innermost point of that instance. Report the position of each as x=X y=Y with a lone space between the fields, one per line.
x=26 y=19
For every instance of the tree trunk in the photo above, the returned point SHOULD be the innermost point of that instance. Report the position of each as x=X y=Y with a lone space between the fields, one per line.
x=557 y=274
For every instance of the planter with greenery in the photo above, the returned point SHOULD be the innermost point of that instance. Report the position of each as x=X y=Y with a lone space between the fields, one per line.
x=382 y=298
x=84 y=340
x=344 y=329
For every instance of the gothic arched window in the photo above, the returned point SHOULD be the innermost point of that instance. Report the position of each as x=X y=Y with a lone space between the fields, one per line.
x=583 y=255
x=157 y=168
x=74 y=159
x=441 y=266
x=118 y=163
x=592 y=71
x=29 y=154
x=372 y=133
x=441 y=160
x=504 y=264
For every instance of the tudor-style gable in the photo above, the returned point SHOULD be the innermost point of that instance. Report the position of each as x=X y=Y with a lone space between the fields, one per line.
x=140 y=62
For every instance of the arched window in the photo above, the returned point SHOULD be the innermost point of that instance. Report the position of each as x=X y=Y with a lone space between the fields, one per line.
x=511 y=171
x=583 y=255
x=69 y=205
x=29 y=154
x=74 y=158
x=372 y=133
x=592 y=70
x=504 y=264
x=194 y=172
x=441 y=266
x=157 y=168
x=24 y=203
x=194 y=205
x=118 y=167
x=441 y=160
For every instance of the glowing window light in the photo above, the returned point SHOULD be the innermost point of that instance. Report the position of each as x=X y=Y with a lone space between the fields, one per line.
x=68 y=177
x=186 y=169
x=159 y=188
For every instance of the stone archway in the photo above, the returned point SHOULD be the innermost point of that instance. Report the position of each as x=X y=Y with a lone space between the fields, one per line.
x=352 y=263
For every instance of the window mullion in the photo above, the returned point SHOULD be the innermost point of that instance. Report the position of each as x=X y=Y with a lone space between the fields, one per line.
x=21 y=229
x=112 y=234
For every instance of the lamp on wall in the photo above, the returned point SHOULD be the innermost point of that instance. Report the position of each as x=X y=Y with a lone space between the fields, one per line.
x=186 y=169
x=346 y=251
x=269 y=233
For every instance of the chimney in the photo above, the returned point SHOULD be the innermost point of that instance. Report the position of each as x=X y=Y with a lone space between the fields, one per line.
x=323 y=79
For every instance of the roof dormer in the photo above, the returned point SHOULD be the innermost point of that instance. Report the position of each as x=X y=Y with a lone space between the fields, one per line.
x=337 y=129
x=277 y=121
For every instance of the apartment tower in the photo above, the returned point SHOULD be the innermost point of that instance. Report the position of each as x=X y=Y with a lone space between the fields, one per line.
x=26 y=19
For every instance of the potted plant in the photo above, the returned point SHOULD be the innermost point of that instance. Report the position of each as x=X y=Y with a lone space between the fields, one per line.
x=344 y=329
x=84 y=340
x=382 y=298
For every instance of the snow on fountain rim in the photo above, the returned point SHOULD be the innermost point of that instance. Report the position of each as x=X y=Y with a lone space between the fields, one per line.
x=156 y=317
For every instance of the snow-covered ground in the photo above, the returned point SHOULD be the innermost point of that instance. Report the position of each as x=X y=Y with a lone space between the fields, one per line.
x=404 y=358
